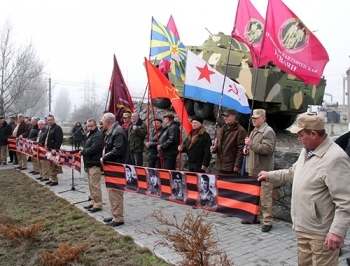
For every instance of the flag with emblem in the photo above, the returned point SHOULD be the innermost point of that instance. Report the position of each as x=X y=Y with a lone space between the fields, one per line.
x=119 y=97
x=165 y=45
x=291 y=46
x=205 y=83
x=249 y=28
x=160 y=87
x=165 y=65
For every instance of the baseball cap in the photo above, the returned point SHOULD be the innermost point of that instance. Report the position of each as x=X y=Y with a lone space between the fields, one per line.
x=308 y=121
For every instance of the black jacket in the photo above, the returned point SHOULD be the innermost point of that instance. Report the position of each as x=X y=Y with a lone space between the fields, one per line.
x=344 y=143
x=93 y=147
x=42 y=136
x=153 y=142
x=115 y=145
x=23 y=129
x=198 y=147
x=33 y=133
x=78 y=133
x=170 y=140
x=5 y=132
x=54 y=136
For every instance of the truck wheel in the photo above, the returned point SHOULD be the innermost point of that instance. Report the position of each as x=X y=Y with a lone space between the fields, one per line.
x=163 y=103
x=204 y=110
x=189 y=106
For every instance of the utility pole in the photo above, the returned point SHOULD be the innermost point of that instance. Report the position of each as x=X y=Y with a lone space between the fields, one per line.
x=50 y=95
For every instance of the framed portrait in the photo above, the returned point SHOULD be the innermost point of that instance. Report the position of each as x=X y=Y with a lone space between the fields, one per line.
x=130 y=178
x=178 y=186
x=153 y=183
x=207 y=191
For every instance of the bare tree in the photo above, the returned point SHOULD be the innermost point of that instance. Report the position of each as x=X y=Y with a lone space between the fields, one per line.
x=63 y=105
x=89 y=110
x=21 y=82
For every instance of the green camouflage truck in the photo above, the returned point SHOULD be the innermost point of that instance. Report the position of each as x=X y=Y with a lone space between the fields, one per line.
x=282 y=95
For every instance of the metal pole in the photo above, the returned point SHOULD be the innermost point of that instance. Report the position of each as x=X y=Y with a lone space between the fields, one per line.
x=49 y=95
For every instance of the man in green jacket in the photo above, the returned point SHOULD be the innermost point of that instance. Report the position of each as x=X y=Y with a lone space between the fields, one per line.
x=320 y=194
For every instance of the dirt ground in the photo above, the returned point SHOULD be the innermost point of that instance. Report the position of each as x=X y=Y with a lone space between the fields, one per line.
x=24 y=202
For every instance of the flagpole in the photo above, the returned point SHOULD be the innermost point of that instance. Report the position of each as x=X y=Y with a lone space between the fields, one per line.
x=157 y=136
x=222 y=92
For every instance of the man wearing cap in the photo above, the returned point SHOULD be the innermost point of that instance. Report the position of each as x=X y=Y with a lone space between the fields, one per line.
x=136 y=138
x=197 y=146
x=169 y=142
x=320 y=195
x=229 y=144
x=151 y=145
x=126 y=125
x=259 y=150
x=5 y=132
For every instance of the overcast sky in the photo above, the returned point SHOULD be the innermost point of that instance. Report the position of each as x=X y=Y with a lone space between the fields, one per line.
x=76 y=39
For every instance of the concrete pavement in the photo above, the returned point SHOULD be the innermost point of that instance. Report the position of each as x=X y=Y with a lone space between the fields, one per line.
x=244 y=244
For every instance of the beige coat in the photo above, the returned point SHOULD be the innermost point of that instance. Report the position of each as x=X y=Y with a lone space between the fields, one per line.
x=262 y=149
x=320 y=194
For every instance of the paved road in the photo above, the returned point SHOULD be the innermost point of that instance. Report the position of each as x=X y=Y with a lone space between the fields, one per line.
x=245 y=244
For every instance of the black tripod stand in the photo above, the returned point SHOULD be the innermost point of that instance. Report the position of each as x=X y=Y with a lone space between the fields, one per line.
x=73 y=186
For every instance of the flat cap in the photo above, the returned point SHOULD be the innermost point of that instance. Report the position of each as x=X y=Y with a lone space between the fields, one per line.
x=229 y=111
x=169 y=115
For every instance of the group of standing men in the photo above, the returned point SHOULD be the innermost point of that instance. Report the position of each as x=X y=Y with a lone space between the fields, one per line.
x=46 y=132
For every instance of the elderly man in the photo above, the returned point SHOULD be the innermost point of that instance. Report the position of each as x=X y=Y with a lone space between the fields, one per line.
x=169 y=142
x=151 y=145
x=53 y=140
x=114 y=151
x=92 y=152
x=197 y=146
x=5 y=132
x=21 y=131
x=259 y=149
x=320 y=195
x=229 y=144
x=136 y=138
x=33 y=135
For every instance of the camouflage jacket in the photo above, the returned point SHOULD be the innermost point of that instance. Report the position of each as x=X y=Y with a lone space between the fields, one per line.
x=137 y=137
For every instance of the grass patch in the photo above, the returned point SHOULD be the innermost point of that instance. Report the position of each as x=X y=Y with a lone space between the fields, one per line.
x=24 y=202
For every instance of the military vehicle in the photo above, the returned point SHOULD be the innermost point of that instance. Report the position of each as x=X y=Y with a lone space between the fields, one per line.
x=282 y=95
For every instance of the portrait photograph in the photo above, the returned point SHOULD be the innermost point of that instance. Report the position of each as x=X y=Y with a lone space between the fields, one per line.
x=178 y=186
x=130 y=178
x=207 y=191
x=153 y=182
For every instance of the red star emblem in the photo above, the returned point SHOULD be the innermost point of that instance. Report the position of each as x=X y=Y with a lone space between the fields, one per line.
x=205 y=72
x=174 y=49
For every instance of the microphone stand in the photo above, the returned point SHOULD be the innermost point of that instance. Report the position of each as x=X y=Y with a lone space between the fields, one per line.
x=73 y=187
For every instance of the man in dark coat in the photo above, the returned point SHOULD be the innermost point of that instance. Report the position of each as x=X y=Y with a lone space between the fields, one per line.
x=197 y=146
x=151 y=145
x=12 y=154
x=33 y=135
x=92 y=153
x=21 y=131
x=114 y=151
x=169 y=142
x=53 y=140
x=78 y=135
x=5 y=132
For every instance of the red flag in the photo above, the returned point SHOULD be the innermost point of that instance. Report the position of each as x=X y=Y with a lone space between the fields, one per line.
x=160 y=87
x=290 y=45
x=249 y=28
x=120 y=100
x=165 y=65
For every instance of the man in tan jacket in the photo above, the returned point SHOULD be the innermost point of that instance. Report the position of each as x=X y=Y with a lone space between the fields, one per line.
x=320 y=194
x=260 y=149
